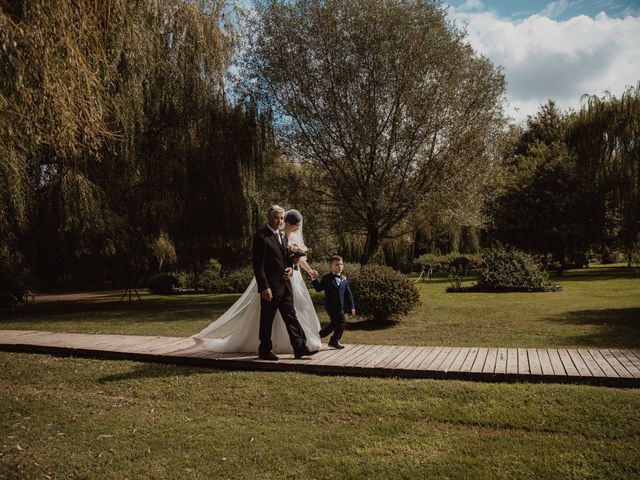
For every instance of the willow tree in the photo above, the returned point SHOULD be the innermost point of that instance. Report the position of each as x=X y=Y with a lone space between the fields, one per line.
x=605 y=136
x=382 y=99
x=111 y=114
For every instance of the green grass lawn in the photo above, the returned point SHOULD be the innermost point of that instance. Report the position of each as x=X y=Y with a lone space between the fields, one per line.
x=94 y=419
x=79 y=418
x=598 y=307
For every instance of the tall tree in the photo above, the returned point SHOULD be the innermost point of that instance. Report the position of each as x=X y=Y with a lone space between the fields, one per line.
x=545 y=207
x=384 y=99
x=605 y=137
x=114 y=127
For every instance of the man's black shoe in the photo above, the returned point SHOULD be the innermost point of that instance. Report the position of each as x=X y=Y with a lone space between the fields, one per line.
x=336 y=344
x=268 y=356
x=305 y=352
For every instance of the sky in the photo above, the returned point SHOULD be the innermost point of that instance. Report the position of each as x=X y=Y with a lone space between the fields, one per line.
x=556 y=50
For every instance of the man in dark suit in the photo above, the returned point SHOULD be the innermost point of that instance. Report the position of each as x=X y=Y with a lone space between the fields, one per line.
x=273 y=268
x=337 y=295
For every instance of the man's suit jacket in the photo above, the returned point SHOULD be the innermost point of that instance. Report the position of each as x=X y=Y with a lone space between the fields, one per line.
x=269 y=261
x=335 y=297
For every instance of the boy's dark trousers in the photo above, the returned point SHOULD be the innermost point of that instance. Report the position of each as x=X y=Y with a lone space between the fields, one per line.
x=336 y=326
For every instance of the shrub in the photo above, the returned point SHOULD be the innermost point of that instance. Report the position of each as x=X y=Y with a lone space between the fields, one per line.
x=511 y=270
x=381 y=293
x=210 y=281
x=163 y=283
x=236 y=281
x=16 y=279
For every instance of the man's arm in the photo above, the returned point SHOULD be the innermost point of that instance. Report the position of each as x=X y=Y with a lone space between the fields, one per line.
x=259 y=248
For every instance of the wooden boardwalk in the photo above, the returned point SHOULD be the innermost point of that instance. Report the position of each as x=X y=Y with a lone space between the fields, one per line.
x=610 y=367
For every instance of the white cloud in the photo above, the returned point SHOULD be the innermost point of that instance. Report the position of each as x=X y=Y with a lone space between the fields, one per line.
x=471 y=5
x=545 y=58
x=554 y=9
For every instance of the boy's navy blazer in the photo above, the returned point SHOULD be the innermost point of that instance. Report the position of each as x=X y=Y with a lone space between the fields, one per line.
x=335 y=297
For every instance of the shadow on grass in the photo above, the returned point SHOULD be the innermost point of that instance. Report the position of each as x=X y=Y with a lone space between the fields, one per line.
x=369 y=325
x=149 y=310
x=596 y=273
x=152 y=370
x=619 y=327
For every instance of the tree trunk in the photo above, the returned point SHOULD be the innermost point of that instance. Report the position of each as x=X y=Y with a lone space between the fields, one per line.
x=372 y=244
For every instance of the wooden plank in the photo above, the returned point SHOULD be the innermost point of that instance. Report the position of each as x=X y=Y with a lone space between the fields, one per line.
x=469 y=361
x=355 y=360
x=512 y=361
x=545 y=362
x=397 y=352
x=556 y=363
x=340 y=355
x=490 y=362
x=478 y=363
x=162 y=348
x=430 y=358
x=435 y=365
x=534 y=362
x=603 y=364
x=631 y=368
x=396 y=361
x=615 y=363
x=349 y=355
x=460 y=358
x=501 y=361
x=592 y=365
x=404 y=364
x=13 y=336
x=448 y=361
x=567 y=363
x=633 y=356
x=373 y=353
x=621 y=367
x=523 y=362
x=418 y=360
x=381 y=356
x=580 y=364
x=324 y=354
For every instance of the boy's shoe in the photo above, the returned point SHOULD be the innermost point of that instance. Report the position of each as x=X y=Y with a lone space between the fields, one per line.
x=336 y=344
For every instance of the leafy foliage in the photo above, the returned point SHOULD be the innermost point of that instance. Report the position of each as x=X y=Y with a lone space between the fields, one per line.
x=116 y=131
x=163 y=283
x=382 y=294
x=547 y=207
x=384 y=101
x=605 y=136
x=444 y=263
x=508 y=269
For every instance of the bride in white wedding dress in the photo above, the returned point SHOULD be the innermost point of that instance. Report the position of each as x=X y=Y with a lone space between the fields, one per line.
x=237 y=330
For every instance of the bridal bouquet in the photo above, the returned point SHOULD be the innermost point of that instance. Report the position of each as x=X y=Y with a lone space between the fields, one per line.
x=297 y=250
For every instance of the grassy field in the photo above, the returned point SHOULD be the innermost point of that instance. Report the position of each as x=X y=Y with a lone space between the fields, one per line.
x=598 y=307
x=94 y=419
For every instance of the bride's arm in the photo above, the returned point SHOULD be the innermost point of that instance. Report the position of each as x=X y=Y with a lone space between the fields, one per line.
x=306 y=267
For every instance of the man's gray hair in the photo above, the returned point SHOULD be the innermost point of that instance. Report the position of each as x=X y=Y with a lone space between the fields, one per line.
x=274 y=209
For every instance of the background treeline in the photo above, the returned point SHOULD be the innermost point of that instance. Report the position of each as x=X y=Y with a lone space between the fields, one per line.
x=571 y=188
x=126 y=149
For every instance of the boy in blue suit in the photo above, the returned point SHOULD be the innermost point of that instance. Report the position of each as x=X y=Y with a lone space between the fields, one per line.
x=337 y=295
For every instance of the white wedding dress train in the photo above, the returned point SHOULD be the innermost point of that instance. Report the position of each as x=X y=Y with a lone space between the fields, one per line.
x=238 y=328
